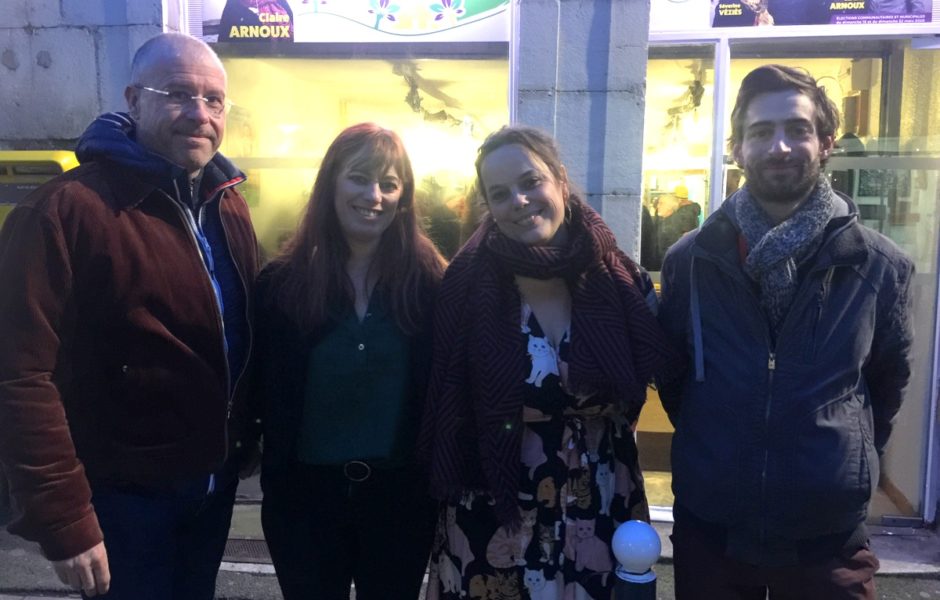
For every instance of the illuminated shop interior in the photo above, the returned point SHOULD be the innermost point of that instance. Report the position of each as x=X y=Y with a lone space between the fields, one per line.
x=287 y=111
x=889 y=164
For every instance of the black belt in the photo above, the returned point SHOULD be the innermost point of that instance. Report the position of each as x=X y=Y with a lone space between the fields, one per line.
x=357 y=471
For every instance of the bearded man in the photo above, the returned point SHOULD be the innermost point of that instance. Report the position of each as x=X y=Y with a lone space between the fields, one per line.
x=797 y=323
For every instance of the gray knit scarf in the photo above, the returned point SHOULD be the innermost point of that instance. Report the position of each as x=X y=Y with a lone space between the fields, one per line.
x=775 y=252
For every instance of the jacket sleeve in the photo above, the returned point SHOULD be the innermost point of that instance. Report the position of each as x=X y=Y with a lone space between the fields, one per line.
x=888 y=369
x=674 y=318
x=46 y=478
x=281 y=350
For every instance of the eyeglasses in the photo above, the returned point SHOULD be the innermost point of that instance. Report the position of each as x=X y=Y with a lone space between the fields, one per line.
x=215 y=105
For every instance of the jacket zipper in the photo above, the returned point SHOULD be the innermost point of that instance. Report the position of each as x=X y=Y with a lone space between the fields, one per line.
x=772 y=361
x=199 y=218
x=241 y=279
x=771 y=368
x=190 y=225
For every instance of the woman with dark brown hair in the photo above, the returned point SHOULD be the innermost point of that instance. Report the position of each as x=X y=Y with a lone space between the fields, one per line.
x=544 y=342
x=343 y=354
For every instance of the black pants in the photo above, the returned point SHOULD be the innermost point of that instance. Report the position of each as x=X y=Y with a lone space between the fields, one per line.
x=325 y=532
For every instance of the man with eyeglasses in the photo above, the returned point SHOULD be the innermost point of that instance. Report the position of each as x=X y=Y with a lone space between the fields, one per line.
x=124 y=303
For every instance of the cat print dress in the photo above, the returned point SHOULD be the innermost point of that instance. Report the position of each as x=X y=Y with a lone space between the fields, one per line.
x=579 y=478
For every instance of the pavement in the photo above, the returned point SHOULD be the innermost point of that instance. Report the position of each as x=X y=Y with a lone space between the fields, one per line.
x=910 y=562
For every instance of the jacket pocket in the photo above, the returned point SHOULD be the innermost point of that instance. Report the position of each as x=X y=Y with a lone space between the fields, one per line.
x=822 y=299
x=826 y=478
x=144 y=413
x=813 y=325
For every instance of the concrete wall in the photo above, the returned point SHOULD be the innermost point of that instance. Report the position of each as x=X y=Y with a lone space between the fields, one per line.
x=581 y=74
x=63 y=62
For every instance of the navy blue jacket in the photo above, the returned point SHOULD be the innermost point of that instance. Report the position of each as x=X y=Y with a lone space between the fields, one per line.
x=779 y=441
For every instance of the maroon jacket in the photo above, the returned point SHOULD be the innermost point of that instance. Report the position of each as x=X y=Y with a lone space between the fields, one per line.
x=112 y=360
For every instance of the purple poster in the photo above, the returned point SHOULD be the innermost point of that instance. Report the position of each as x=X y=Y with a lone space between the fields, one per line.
x=748 y=13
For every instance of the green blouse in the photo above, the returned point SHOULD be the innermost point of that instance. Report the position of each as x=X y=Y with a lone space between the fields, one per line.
x=358 y=392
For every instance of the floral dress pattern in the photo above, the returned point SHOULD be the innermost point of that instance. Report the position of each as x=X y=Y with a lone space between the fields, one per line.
x=579 y=479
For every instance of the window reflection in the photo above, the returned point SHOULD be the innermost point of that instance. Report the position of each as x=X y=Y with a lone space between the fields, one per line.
x=288 y=110
x=677 y=142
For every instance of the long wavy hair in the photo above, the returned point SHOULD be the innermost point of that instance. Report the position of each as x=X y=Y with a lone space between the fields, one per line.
x=311 y=285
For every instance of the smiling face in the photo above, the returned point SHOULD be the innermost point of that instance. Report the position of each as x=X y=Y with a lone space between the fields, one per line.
x=187 y=136
x=366 y=202
x=780 y=149
x=525 y=200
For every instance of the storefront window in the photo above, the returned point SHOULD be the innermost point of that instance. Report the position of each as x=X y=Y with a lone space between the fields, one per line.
x=677 y=142
x=288 y=110
x=677 y=152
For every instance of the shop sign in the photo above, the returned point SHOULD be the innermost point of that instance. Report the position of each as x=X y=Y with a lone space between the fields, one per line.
x=701 y=15
x=355 y=20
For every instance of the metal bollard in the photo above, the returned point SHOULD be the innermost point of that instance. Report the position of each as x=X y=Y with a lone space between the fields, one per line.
x=636 y=546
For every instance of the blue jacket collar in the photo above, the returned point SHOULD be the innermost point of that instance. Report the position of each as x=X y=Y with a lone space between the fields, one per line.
x=112 y=137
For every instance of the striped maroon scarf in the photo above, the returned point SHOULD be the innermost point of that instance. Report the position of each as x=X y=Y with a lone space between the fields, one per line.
x=472 y=426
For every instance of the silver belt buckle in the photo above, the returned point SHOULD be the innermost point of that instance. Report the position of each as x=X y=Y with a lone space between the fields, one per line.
x=357 y=471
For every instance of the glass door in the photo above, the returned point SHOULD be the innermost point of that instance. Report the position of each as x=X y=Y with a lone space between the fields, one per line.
x=677 y=145
x=677 y=154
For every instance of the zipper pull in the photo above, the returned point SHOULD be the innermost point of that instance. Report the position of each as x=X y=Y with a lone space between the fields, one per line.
x=772 y=362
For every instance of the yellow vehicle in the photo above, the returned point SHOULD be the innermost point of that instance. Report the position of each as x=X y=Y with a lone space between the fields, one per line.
x=22 y=171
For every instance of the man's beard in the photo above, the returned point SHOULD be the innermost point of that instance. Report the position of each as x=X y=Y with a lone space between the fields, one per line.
x=782 y=188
